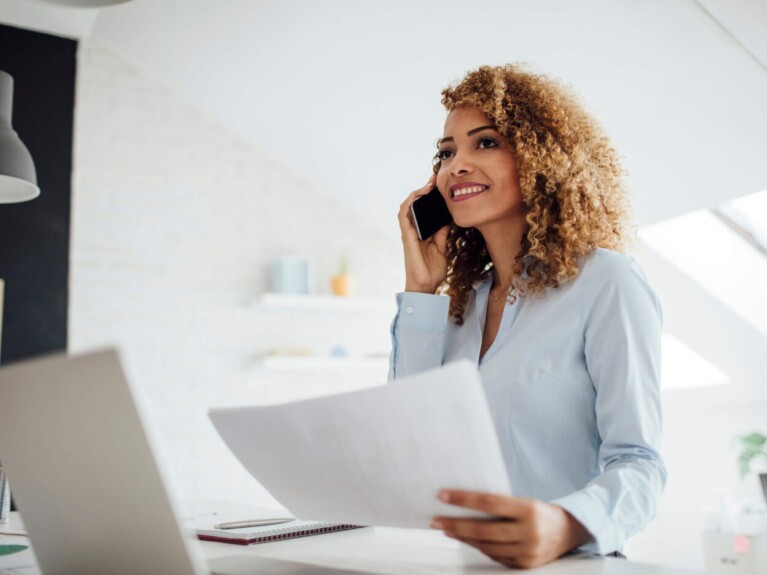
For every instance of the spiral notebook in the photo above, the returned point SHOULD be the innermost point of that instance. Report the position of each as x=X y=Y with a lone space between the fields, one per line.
x=290 y=530
x=202 y=515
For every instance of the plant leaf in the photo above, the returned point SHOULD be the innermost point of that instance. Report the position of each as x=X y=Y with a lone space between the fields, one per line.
x=754 y=440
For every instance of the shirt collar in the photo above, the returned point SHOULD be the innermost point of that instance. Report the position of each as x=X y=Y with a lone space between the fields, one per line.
x=484 y=282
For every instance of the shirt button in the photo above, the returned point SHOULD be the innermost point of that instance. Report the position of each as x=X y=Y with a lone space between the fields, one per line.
x=409 y=310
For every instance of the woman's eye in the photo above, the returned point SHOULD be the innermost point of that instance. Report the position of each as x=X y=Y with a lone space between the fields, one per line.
x=443 y=155
x=486 y=143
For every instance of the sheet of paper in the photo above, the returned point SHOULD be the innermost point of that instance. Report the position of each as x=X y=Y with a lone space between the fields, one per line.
x=377 y=456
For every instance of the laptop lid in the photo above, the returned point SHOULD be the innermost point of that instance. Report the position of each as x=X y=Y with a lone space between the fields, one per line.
x=83 y=473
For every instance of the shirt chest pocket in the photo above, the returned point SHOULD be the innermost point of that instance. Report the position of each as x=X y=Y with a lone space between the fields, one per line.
x=548 y=403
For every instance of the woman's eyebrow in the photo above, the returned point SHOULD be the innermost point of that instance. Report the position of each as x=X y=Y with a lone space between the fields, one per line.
x=469 y=133
x=475 y=130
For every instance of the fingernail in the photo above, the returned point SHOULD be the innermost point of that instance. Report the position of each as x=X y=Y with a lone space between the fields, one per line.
x=436 y=524
x=443 y=496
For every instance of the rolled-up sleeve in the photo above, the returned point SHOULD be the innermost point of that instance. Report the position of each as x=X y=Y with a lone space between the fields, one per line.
x=417 y=333
x=622 y=349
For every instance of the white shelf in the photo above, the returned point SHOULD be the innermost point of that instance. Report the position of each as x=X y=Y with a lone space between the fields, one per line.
x=298 y=362
x=324 y=303
x=335 y=314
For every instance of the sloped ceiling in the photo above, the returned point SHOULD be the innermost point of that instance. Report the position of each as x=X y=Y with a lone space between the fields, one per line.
x=347 y=93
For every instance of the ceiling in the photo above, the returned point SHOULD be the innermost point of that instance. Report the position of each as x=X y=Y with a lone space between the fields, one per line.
x=346 y=93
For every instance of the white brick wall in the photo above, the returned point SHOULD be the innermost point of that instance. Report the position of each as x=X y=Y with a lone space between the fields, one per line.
x=176 y=222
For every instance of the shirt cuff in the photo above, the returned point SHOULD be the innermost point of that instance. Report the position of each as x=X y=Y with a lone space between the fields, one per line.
x=588 y=510
x=422 y=311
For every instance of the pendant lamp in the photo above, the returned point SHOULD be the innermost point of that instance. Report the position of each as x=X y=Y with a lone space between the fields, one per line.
x=18 y=180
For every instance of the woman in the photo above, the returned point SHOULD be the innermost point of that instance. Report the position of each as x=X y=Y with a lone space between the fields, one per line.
x=564 y=328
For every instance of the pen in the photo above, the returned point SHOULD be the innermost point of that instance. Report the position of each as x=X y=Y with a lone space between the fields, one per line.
x=252 y=523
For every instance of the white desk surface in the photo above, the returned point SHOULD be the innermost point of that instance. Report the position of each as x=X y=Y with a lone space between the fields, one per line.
x=388 y=551
x=383 y=551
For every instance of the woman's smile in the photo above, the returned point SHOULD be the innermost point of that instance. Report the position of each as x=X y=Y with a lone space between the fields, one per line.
x=466 y=191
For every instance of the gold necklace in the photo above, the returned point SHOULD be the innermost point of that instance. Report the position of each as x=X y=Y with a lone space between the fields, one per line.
x=500 y=297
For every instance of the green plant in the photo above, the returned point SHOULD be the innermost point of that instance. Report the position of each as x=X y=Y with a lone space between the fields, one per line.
x=344 y=265
x=751 y=446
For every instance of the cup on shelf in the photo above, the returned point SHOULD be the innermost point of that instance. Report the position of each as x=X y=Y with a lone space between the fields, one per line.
x=290 y=275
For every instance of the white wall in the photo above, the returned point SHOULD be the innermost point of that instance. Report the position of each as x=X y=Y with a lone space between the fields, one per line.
x=175 y=224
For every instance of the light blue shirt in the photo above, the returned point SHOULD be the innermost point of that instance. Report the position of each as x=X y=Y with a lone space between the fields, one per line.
x=573 y=384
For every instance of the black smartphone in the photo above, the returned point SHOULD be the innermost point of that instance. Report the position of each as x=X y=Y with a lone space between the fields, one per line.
x=430 y=213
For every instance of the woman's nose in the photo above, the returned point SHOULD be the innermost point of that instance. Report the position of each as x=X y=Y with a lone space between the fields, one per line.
x=460 y=165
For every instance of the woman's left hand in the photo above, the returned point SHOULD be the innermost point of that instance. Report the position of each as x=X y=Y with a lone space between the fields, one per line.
x=524 y=533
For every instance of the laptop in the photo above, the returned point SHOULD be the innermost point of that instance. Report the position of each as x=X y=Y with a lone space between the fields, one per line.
x=87 y=482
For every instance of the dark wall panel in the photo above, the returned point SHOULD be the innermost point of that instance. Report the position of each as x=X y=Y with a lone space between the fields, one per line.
x=34 y=235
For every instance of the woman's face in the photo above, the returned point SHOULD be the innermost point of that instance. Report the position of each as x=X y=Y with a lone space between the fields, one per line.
x=478 y=176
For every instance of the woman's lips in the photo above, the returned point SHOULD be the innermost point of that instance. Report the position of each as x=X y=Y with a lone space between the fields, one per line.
x=467 y=192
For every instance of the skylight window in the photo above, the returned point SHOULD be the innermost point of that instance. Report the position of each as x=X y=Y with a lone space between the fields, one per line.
x=747 y=216
x=726 y=261
x=683 y=368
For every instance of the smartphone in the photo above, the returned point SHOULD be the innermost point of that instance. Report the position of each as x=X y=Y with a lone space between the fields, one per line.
x=430 y=213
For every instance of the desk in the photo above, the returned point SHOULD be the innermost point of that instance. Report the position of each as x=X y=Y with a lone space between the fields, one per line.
x=386 y=551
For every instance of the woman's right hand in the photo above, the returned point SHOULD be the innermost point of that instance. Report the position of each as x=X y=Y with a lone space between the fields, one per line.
x=425 y=261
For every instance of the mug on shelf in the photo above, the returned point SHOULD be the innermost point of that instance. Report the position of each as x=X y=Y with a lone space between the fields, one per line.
x=291 y=275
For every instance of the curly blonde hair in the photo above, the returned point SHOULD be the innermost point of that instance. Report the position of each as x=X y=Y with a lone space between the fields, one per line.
x=570 y=177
